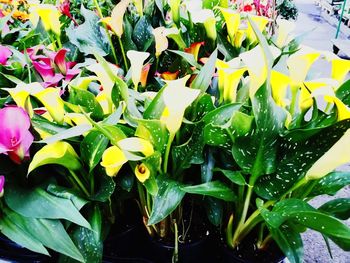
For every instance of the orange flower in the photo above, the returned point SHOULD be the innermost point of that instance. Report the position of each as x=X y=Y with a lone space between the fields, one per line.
x=23 y=16
x=169 y=75
x=194 y=49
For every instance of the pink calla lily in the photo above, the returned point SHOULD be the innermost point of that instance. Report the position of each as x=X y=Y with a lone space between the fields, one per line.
x=5 y=54
x=2 y=183
x=15 y=138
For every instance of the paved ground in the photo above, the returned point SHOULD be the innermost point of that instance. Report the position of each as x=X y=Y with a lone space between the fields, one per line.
x=321 y=29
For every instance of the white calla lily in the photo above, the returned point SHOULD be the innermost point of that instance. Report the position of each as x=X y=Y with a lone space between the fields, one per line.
x=137 y=58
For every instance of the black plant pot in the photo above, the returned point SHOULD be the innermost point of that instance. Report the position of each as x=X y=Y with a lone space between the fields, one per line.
x=12 y=252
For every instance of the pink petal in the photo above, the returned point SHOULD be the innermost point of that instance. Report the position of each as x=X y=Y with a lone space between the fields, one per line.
x=60 y=61
x=71 y=73
x=52 y=82
x=5 y=54
x=2 y=183
x=44 y=70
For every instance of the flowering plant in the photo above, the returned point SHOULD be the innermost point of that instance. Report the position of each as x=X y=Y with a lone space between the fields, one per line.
x=180 y=104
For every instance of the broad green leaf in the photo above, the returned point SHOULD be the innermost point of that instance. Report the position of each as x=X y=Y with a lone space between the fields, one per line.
x=43 y=124
x=89 y=37
x=289 y=241
x=331 y=183
x=339 y=208
x=40 y=204
x=87 y=100
x=92 y=148
x=142 y=34
x=61 y=153
x=215 y=189
x=50 y=232
x=105 y=187
x=154 y=131
x=208 y=166
x=203 y=79
x=156 y=107
x=187 y=56
x=167 y=199
x=11 y=230
x=67 y=193
x=68 y=133
x=126 y=38
x=296 y=157
x=235 y=177
x=343 y=92
x=214 y=209
x=153 y=163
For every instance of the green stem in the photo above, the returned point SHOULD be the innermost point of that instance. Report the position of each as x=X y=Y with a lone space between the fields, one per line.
x=265 y=242
x=99 y=11
x=167 y=152
x=142 y=197
x=58 y=41
x=157 y=63
x=123 y=53
x=81 y=185
x=53 y=41
x=92 y=183
x=176 y=246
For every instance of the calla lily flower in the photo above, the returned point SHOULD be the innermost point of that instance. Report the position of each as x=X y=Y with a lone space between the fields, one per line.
x=279 y=85
x=15 y=138
x=175 y=10
x=233 y=20
x=336 y=156
x=261 y=22
x=142 y=172
x=137 y=59
x=194 y=49
x=144 y=74
x=343 y=111
x=340 y=68
x=255 y=61
x=50 y=17
x=135 y=144
x=5 y=54
x=105 y=101
x=113 y=159
x=169 y=75
x=2 y=183
x=207 y=18
x=161 y=40
x=177 y=97
x=239 y=38
x=115 y=21
x=52 y=101
x=284 y=36
x=60 y=152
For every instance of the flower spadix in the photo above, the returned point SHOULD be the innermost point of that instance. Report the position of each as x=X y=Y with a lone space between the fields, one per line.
x=177 y=97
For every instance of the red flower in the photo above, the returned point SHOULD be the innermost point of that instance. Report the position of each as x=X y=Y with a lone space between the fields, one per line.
x=247 y=8
x=65 y=10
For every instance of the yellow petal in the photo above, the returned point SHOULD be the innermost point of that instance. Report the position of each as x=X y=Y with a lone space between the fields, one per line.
x=112 y=160
x=105 y=102
x=279 y=86
x=239 y=38
x=340 y=68
x=117 y=16
x=261 y=22
x=342 y=110
x=232 y=79
x=61 y=153
x=161 y=40
x=82 y=82
x=207 y=18
x=75 y=119
x=50 y=98
x=255 y=61
x=142 y=172
x=137 y=58
x=50 y=17
x=233 y=20
x=134 y=144
x=336 y=156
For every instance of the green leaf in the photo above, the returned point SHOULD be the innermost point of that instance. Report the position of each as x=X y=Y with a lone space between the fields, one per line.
x=235 y=177
x=215 y=189
x=289 y=240
x=167 y=199
x=87 y=100
x=89 y=37
x=142 y=34
x=156 y=107
x=343 y=92
x=126 y=38
x=105 y=187
x=41 y=123
x=295 y=157
x=214 y=209
x=11 y=230
x=66 y=193
x=339 y=208
x=208 y=166
x=40 y=204
x=92 y=148
x=153 y=163
x=187 y=56
x=331 y=183
x=49 y=232
x=203 y=79
x=68 y=133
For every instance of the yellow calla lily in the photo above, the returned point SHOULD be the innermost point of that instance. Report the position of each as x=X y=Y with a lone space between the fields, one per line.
x=105 y=102
x=142 y=172
x=343 y=111
x=284 y=34
x=279 y=86
x=134 y=144
x=256 y=64
x=232 y=77
x=115 y=21
x=61 y=153
x=50 y=17
x=112 y=160
x=261 y=22
x=233 y=20
x=336 y=156
x=139 y=6
x=137 y=58
x=340 y=68
x=75 y=119
x=175 y=10
x=239 y=38
x=207 y=18
x=175 y=35
x=177 y=97
x=82 y=82
x=50 y=98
